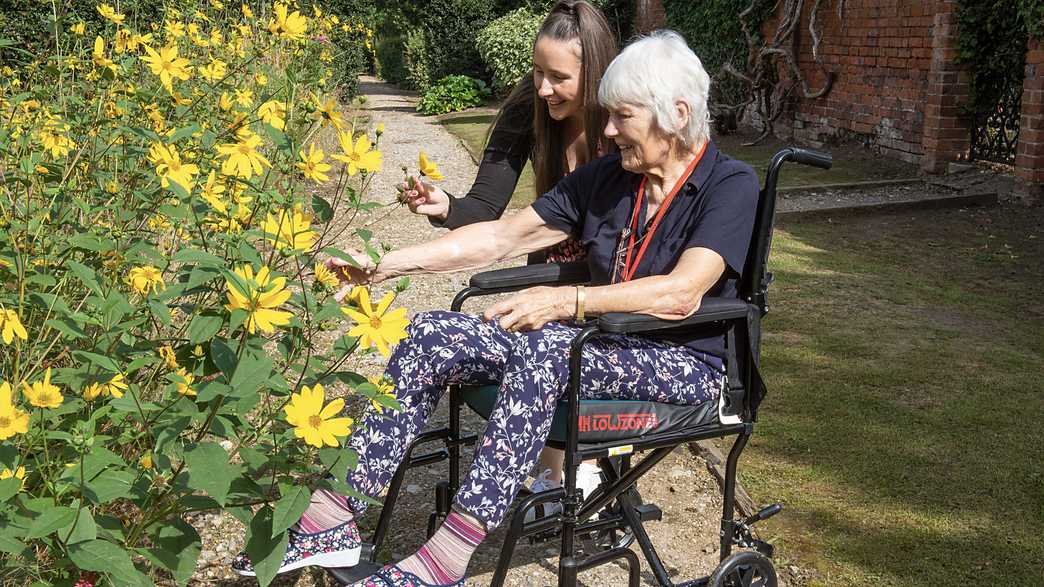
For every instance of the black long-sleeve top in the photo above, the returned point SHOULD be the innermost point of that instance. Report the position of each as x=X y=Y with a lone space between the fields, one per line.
x=510 y=146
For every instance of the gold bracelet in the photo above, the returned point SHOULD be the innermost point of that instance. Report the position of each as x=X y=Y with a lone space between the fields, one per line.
x=580 y=295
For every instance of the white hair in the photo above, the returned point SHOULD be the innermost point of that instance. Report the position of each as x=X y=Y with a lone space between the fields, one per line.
x=654 y=72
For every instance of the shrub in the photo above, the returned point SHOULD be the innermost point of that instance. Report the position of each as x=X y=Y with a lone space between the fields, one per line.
x=506 y=45
x=161 y=297
x=453 y=93
x=417 y=60
x=391 y=64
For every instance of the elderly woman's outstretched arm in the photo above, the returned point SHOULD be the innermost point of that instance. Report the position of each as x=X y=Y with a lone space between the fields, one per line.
x=467 y=248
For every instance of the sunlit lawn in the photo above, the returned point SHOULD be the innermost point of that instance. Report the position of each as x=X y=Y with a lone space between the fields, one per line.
x=905 y=360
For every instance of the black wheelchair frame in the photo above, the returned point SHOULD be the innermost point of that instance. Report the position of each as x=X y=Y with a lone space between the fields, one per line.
x=583 y=516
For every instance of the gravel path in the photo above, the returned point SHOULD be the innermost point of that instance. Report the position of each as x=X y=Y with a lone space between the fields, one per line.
x=687 y=537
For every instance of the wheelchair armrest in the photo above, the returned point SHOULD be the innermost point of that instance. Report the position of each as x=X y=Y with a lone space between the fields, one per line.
x=711 y=310
x=532 y=275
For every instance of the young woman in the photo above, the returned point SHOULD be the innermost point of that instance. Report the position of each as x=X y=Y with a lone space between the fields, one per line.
x=552 y=119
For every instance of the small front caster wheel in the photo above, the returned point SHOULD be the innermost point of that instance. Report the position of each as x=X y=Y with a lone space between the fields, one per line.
x=746 y=568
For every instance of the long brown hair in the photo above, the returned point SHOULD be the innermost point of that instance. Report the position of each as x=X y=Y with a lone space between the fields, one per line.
x=569 y=20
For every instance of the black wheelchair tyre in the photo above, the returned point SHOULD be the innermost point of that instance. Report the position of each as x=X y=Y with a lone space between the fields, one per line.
x=744 y=569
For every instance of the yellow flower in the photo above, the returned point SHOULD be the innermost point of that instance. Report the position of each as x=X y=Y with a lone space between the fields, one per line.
x=377 y=327
x=263 y=295
x=145 y=461
x=312 y=421
x=243 y=159
x=167 y=354
x=312 y=165
x=11 y=326
x=261 y=79
x=212 y=191
x=174 y=29
x=145 y=278
x=290 y=230
x=289 y=26
x=325 y=276
x=167 y=65
x=109 y=14
x=183 y=382
x=12 y=420
x=326 y=111
x=42 y=394
x=428 y=167
x=273 y=112
x=247 y=13
x=18 y=473
x=114 y=387
x=198 y=352
x=170 y=168
x=358 y=156
x=245 y=97
x=225 y=102
x=78 y=29
x=99 y=57
x=214 y=71
x=380 y=128
x=384 y=387
x=52 y=137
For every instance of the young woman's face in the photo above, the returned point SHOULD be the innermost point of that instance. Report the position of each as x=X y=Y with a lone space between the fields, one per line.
x=556 y=76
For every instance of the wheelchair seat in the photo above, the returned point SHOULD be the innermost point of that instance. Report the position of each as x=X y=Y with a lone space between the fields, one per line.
x=607 y=420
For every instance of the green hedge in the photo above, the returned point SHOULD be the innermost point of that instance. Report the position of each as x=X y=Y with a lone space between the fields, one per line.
x=506 y=45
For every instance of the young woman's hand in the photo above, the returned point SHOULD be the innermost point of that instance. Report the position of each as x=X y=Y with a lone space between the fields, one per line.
x=425 y=199
x=351 y=275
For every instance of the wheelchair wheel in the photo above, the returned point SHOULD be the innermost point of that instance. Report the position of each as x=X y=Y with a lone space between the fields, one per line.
x=613 y=538
x=744 y=569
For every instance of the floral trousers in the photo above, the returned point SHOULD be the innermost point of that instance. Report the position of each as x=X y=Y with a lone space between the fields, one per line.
x=445 y=348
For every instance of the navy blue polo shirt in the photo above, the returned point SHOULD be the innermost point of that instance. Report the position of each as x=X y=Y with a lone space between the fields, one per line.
x=715 y=210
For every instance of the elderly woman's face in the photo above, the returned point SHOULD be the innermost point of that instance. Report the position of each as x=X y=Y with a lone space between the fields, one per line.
x=642 y=144
x=556 y=76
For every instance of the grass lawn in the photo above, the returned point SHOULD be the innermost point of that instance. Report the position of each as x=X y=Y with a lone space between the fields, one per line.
x=851 y=164
x=904 y=355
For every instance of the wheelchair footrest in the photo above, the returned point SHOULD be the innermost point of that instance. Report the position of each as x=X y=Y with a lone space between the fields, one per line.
x=649 y=512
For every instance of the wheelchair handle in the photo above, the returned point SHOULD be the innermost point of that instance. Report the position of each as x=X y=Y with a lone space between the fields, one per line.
x=812 y=158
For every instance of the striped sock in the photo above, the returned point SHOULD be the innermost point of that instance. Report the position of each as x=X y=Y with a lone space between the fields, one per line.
x=326 y=510
x=444 y=558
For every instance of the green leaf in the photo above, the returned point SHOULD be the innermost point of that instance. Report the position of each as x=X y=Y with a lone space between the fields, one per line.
x=197 y=257
x=9 y=487
x=224 y=357
x=105 y=557
x=209 y=390
x=340 y=255
x=203 y=327
x=265 y=548
x=183 y=132
x=109 y=486
x=210 y=471
x=290 y=507
x=50 y=520
x=160 y=311
x=338 y=461
x=67 y=328
x=86 y=276
x=252 y=371
x=81 y=530
x=11 y=545
x=101 y=361
x=176 y=548
x=323 y=210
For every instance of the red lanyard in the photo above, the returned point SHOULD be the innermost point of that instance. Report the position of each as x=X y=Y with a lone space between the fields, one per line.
x=628 y=269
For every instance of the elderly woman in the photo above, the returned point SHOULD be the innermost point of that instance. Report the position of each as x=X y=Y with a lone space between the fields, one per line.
x=665 y=221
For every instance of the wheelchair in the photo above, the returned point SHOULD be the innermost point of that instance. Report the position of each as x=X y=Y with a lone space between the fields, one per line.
x=599 y=528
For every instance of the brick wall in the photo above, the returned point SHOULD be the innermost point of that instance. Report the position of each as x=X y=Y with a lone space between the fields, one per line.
x=882 y=57
x=1029 y=159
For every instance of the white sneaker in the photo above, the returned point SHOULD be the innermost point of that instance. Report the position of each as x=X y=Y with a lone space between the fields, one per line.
x=588 y=477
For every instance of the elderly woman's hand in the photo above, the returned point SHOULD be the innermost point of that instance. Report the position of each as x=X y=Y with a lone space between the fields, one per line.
x=351 y=275
x=531 y=309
